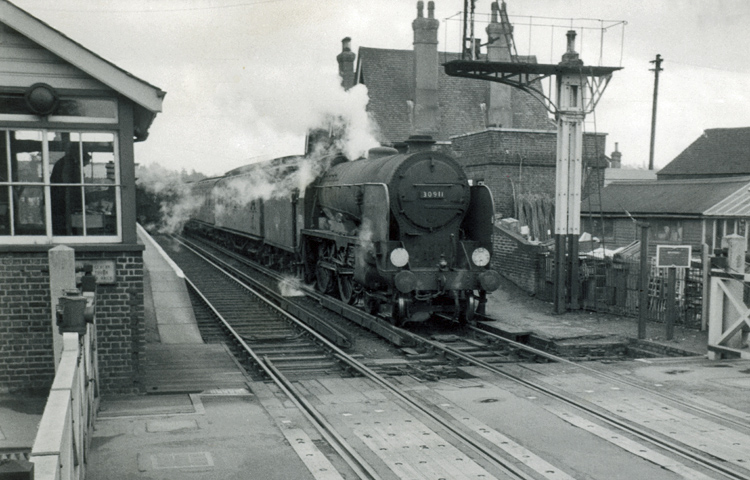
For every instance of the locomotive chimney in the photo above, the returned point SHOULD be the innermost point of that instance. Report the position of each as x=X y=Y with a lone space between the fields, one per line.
x=500 y=112
x=346 y=64
x=418 y=143
x=426 y=112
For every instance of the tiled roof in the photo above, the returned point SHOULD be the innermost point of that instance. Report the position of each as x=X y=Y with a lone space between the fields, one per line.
x=389 y=77
x=718 y=152
x=714 y=197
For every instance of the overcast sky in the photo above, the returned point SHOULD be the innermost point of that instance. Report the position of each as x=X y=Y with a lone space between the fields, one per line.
x=245 y=78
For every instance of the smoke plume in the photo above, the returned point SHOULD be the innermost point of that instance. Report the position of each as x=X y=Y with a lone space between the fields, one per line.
x=170 y=193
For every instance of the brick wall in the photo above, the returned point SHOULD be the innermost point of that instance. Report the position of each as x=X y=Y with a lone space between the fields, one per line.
x=26 y=352
x=26 y=355
x=516 y=259
x=522 y=162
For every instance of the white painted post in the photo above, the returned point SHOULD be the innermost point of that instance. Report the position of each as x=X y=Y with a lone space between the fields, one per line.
x=62 y=276
x=706 y=270
x=715 y=316
x=736 y=246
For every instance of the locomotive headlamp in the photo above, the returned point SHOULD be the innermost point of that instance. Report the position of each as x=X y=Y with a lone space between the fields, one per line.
x=480 y=257
x=399 y=257
x=405 y=281
x=489 y=280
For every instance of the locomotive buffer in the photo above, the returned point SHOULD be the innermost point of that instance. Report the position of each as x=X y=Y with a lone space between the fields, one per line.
x=579 y=89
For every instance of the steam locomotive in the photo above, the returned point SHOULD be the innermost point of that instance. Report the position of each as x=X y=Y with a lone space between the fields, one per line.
x=404 y=235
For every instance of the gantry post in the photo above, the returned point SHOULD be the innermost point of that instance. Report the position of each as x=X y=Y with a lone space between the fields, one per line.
x=569 y=174
x=579 y=88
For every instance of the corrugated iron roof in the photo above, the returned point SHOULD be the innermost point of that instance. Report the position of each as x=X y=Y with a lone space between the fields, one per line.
x=735 y=205
x=714 y=197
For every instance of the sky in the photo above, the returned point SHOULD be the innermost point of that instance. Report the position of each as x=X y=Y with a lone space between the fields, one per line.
x=246 y=78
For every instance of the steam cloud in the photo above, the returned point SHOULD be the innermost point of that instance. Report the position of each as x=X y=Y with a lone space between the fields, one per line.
x=323 y=105
x=177 y=203
x=290 y=287
x=288 y=104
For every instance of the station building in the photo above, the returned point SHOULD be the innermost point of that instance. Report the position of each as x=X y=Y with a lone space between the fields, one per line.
x=68 y=123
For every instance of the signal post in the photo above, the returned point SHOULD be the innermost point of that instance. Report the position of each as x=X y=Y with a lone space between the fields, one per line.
x=579 y=88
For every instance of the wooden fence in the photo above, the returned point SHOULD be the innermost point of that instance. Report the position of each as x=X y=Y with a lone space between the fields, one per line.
x=611 y=286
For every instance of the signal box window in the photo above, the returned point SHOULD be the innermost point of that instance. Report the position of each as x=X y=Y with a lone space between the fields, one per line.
x=58 y=186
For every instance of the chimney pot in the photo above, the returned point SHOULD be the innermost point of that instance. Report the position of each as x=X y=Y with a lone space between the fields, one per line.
x=616 y=158
x=346 y=63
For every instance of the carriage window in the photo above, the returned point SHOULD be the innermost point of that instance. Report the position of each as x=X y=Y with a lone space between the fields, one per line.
x=58 y=184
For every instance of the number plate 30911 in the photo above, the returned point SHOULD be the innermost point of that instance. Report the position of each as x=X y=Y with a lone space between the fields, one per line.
x=431 y=193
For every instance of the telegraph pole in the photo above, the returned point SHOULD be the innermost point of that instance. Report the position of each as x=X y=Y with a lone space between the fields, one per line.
x=657 y=68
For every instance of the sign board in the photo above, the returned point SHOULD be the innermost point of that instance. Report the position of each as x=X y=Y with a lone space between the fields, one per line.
x=673 y=256
x=103 y=270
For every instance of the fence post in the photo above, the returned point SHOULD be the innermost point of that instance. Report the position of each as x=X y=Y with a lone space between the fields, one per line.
x=62 y=276
x=706 y=267
x=671 y=307
x=643 y=282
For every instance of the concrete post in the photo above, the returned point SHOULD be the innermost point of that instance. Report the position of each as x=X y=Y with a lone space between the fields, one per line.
x=62 y=276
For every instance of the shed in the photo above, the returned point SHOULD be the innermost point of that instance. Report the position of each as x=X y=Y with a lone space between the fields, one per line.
x=688 y=212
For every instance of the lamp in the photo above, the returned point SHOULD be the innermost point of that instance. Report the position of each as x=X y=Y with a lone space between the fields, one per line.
x=41 y=99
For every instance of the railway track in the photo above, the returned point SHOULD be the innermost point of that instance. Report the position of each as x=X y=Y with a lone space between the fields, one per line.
x=493 y=462
x=701 y=451
x=500 y=356
x=234 y=310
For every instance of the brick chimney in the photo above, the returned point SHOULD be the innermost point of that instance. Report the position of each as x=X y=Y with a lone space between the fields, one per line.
x=426 y=111
x=499 y=31
x=346 y=64
x=615 y=158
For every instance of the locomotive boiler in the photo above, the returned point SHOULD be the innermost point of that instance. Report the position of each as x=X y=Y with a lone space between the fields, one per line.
x=402 y=234
x=404 y=230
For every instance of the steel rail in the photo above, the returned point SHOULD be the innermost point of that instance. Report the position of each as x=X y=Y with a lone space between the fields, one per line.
x=501 y=463
x=329 y=331
x=394 y=334
x=345 y=451
x=613 y=377
x=608 y=418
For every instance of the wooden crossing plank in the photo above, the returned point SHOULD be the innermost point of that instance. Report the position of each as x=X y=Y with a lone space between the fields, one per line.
x=409 y=448
x=171 y=368
x=314 y=459
x=682 y=426
x=520 y=453
x=629 y=445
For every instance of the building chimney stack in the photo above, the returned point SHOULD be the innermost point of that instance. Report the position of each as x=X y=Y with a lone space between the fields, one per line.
x=616 y=158
x=346 y=64
x=499 y=32
x=426 y=113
